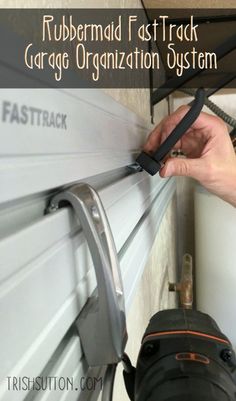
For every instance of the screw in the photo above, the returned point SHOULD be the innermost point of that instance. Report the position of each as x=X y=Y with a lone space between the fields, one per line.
x=52 y=208
x=149 y=349
x=226 y=355
x=95 y=213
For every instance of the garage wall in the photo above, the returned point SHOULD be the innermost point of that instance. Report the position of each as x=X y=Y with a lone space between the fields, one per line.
x=151 y=293
x=47 y=280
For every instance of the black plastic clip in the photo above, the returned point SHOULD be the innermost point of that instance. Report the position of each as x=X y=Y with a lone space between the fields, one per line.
x=153 y=163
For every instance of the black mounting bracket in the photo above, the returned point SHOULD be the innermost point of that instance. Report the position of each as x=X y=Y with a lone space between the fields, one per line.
x=152 y=163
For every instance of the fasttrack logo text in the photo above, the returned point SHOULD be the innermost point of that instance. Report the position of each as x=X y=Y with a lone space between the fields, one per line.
x=14 y=113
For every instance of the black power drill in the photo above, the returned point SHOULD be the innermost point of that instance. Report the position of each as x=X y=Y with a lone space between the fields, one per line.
x=183 y=357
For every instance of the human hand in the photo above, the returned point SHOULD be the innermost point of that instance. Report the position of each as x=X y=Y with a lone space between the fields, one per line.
x=210 y=156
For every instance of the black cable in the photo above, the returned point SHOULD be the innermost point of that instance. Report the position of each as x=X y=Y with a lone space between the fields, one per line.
x=108 y=382
x=107 y=391
x=126 y=362
x=129 y=376
x=213 y=107
x=233 y=133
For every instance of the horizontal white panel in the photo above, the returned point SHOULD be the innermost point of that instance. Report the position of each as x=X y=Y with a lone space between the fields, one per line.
x=135 y=257
x=92 y=123
x=46 y=272
x=19 y=179
x=66 y=361
x=70 y=362
x=100 y=135
x=133 y=193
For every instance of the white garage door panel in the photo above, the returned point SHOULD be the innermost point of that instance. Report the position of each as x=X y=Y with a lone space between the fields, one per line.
x=90 y=125
x=134 y=259
x=65 y=360
x=133 y=194
x=69 y=364
x=100 y=136
x=46 y=271
x=22 y=179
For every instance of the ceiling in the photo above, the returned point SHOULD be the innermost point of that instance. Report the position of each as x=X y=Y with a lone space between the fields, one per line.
x=215 y=27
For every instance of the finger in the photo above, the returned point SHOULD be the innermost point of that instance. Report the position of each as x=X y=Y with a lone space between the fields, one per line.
x=204 y=125
x=154 y=139
x=184 y=167
x=205 y=122
x=164 y=128
x=193 y=144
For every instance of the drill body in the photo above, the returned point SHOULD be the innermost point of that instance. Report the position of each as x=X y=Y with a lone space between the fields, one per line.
x=184 y=357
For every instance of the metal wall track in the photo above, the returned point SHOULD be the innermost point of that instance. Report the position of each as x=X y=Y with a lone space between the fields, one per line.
x=46 y=271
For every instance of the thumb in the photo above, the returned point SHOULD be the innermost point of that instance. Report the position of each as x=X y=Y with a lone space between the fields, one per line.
x=183 y=167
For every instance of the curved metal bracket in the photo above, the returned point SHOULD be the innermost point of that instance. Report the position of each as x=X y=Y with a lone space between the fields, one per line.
x=102 y=323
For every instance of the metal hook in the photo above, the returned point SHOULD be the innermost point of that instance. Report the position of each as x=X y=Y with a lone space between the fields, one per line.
x=102 y=323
